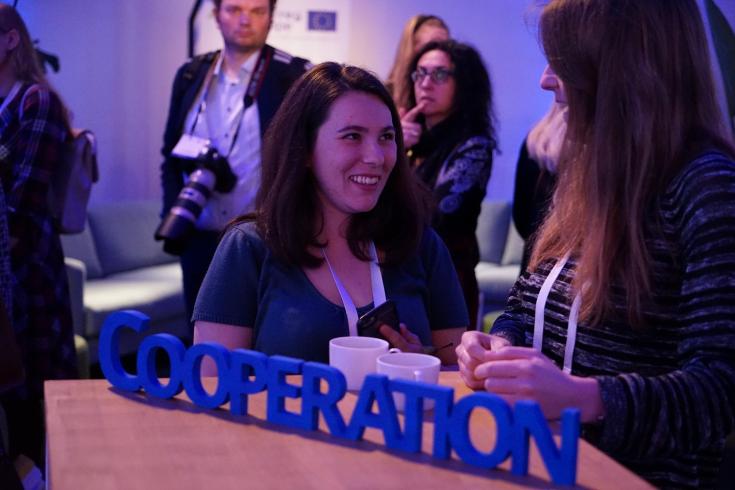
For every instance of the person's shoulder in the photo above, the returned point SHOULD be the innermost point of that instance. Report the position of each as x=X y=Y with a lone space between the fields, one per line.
x=710 y=161
x=429 y=236
x=477 y=149
x=704 y=189
x=41 y=96
x=243 y=238
x=430 y=242
x=246 y=231
x=36 y=91
x=708 y=167
x=194 y=64
x=476 y=142
x=202 y=58
x=288 y=60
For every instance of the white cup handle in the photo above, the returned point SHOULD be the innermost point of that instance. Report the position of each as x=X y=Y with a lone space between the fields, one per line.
x=394 y=350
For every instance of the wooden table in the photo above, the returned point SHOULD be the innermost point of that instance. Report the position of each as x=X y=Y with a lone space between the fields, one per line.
x=102 y=438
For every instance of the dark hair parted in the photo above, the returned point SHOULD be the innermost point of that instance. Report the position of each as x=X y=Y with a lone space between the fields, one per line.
x=288 y=215
x=472 y=107
x=271 y=3
x=637 y=79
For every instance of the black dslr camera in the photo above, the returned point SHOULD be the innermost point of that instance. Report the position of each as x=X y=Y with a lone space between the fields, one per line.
x=208 y=172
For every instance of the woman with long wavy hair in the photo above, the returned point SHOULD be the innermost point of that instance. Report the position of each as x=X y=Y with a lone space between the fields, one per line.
x=33 y=127
x=627 y=309
x=450 y=134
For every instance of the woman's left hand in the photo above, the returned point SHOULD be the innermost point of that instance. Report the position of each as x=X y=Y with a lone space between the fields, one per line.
x=522 y=373
x=405 y=340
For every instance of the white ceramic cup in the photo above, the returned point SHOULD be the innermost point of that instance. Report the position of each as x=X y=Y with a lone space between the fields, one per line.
x=355 y=357
x=412 y=366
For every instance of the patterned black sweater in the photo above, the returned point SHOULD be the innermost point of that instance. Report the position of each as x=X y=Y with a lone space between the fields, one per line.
x=455 y=163
x=668 y=389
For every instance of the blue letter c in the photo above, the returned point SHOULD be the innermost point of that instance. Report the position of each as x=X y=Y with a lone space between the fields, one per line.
x=109 y=351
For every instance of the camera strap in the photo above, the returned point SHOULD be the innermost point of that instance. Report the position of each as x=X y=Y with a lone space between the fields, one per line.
x=376 y=280
x=251 y=93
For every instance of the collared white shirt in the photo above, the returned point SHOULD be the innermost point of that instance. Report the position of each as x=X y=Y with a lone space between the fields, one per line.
x=218 y=122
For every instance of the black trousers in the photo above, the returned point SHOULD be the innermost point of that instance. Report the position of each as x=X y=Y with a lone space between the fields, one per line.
x=195 y=259
x=26 y=429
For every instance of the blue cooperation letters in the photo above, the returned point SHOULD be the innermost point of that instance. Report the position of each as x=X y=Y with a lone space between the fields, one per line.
x=243 y=373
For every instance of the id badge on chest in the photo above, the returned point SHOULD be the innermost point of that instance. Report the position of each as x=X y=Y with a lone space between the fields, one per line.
x=191 y=147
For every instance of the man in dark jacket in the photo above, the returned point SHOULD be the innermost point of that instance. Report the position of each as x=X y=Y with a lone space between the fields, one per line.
x=222 y=101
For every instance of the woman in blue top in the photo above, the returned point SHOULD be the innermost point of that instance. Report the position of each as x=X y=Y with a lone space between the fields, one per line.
x=337 y=198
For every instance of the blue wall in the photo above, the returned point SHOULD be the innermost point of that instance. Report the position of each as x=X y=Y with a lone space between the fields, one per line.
x=118 y=59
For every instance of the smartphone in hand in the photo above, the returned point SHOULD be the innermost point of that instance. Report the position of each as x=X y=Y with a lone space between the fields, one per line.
x=369 y=323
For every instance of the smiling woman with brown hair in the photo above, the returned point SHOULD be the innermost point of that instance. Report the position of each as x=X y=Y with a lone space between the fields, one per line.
x=341 y=225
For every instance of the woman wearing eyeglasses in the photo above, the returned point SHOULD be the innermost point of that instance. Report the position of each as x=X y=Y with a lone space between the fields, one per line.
x=450 y=138
x=419 y=31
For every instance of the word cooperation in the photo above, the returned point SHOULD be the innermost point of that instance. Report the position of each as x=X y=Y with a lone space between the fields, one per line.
x=243 y=372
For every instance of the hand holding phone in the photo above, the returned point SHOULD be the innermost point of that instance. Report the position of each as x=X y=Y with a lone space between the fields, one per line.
x=369 y=323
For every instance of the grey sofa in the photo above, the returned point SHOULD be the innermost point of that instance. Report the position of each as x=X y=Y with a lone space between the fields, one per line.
x=501 y=251
x=116 y=265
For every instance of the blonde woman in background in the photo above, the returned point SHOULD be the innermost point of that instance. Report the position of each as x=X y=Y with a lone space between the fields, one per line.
x=419 y=31
x=536 y=174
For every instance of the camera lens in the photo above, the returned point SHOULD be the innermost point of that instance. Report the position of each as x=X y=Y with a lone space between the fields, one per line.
x=180 y=220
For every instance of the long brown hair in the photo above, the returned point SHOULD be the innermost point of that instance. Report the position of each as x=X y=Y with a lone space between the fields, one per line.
x=288 y=211
x=641 y=105
x=398 y=78
x=23 y=58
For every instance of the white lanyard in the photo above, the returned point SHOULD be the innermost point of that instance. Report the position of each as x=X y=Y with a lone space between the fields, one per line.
x=11 y=95
x=538 y=324
x=376 y=279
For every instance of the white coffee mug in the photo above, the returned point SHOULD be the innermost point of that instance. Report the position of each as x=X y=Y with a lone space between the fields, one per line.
x=355 y=357
x=412 y=366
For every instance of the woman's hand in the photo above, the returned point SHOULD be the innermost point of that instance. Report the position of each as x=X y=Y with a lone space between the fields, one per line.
x=472 y=352
x=405 y=340
x=522 y=373
x=411 y=129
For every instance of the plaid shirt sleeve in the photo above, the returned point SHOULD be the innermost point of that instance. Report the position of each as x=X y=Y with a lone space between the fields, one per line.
x=36 y=147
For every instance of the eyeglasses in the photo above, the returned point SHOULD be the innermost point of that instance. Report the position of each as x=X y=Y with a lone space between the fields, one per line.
x=438 y=75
